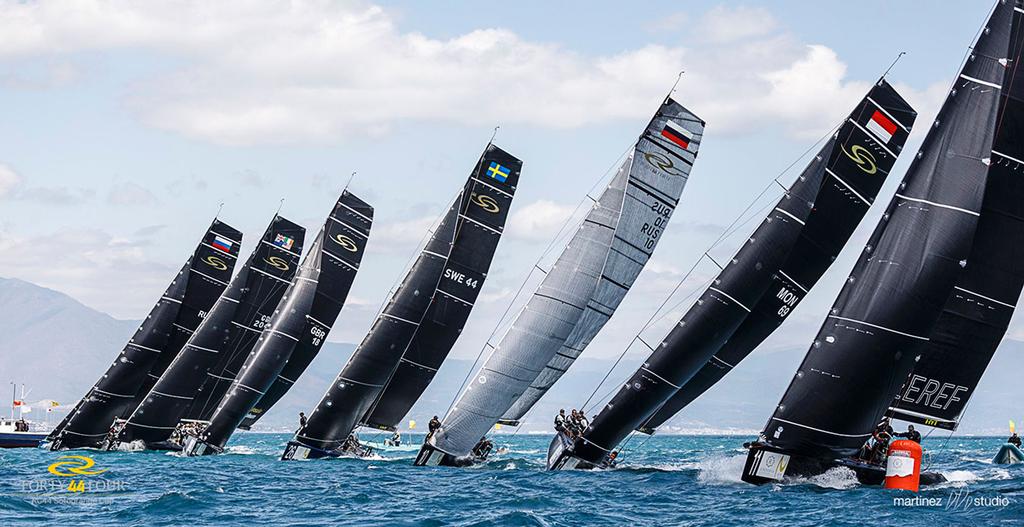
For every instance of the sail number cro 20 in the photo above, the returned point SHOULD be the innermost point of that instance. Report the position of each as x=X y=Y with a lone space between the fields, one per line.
x=653 y=231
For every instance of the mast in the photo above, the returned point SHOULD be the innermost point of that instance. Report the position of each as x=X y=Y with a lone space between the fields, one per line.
x=244 y=306
x=583 y=288
x=194 y=289
x=457 y=292
x=978 y=311
x=322 y=284
x=864 y=159
x=428 y=310
x=355 y=217
x=884 y=316
x=780 y=261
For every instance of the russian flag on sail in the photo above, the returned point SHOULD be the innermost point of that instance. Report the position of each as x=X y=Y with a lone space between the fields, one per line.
x=881 y=126
x=222 y=244
x=677 y=134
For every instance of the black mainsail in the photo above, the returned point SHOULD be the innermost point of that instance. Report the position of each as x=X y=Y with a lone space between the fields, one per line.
x=978 y=310
x=776 y=266
x=174 y=317
x=245 y=306
x=581 y=292
x=884 y=317
x=327 y=304
x=428 y=310
x=319 y=289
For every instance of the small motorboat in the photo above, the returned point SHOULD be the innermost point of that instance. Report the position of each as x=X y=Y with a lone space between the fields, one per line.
x=17 y=434
x=1008 y=455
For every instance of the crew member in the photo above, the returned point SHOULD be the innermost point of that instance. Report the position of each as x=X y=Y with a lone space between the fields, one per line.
x=396 y=439
x=302 y=420
x=560 y=422
x=1014 y=440
x=433 y=425
x=910 y=434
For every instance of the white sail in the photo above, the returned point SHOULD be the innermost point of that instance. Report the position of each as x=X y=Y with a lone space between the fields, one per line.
x=586 y=284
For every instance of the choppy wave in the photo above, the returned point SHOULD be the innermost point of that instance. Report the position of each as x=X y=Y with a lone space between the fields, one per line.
x=668 y=480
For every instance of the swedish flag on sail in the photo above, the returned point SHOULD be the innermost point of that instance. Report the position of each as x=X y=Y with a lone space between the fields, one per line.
x=498 y=172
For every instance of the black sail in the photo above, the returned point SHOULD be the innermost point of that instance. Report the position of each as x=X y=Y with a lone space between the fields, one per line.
x=978 y=311
x=460 y=285
x=194 y=290
x=883 y=317
x=356 y=215
x=810 y=223
x=436 y=287
x=322 y=284
x=246 y=303
x=826 y=232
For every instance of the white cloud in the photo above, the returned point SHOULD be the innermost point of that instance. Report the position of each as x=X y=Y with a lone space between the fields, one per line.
x=400 y=236
x=130 y=194
x=111 y=274
x=9 y=181
x=538 y=221
x=722 y=24
x=280 y=72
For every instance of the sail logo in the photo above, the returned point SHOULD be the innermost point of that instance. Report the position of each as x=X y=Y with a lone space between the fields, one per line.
x=277 y=262
x=485 y=202
x=216 y=263
x=347 y=243
x=863 y=157
x=662 y=163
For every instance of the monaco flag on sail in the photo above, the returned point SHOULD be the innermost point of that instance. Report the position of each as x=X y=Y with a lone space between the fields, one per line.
x=677 y=134
x=881 y=126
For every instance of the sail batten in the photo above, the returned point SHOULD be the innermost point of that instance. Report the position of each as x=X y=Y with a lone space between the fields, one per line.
x=754 y=293
x=156 y=342
x=905 y=277
x=588 y=281
x=425 y=316
x=247 y=301
x=320 y=287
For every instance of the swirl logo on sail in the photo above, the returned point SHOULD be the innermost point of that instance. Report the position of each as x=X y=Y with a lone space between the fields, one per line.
x=486 y=202
x=216 y=263
x=75 y=466
x=863 y=157
x=662 y=163
x=277 y=262
x=347 y=243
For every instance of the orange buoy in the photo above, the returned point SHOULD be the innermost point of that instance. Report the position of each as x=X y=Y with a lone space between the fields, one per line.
x=903 y=469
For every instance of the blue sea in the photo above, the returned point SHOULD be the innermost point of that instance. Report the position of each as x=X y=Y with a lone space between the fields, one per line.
x=670 y=480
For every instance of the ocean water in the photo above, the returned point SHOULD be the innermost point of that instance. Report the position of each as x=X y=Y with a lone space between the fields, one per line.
x=669 y=480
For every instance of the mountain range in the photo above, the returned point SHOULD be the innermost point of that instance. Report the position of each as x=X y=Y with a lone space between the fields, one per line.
x=58 y=347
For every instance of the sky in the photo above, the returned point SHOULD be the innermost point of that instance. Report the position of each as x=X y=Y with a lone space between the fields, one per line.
x=125 y=125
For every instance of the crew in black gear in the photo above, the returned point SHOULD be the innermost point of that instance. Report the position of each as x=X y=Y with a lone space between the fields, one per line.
x=1014 y=440
x=910 y=434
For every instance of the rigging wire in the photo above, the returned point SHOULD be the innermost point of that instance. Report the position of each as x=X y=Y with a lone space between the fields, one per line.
x=737 y=223
x=536 y=267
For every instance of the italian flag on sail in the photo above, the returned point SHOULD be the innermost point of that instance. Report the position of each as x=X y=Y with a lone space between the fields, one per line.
x=677 y=134
x=881 y=126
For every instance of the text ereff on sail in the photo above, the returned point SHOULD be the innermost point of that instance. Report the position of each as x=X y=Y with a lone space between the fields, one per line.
x=175 y=316
x=978 y=310
x=583 y=288
x=232 y=325
x=781 y=260
x=887 y=309
x=303 y=318
x=435 y=298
